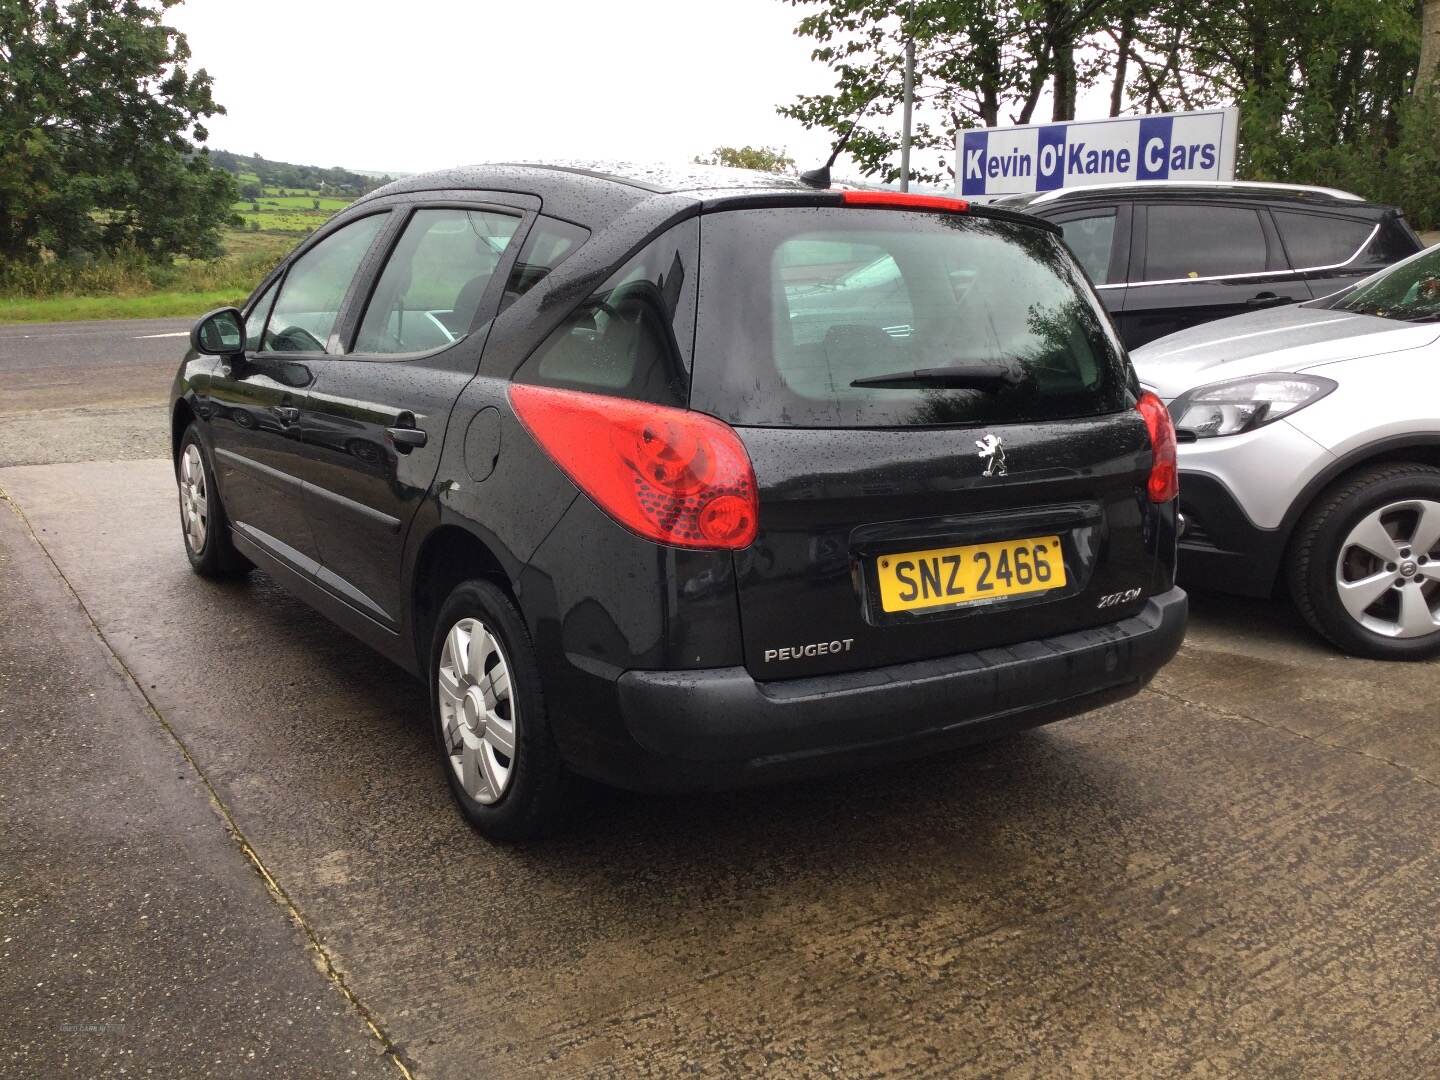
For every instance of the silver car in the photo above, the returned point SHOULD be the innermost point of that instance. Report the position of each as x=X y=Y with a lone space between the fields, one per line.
x=1310 y=456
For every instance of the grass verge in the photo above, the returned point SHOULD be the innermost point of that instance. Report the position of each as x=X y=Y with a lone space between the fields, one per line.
x=157 y=305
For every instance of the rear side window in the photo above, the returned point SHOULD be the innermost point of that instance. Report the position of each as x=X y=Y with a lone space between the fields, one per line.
x=633 y=336
x=1313 y=240
x=549 y=244
x=798 y=304
x=1394 y=241
x=1202 y=241
x=1091 y=238
x=315 y=286
x=430 y=291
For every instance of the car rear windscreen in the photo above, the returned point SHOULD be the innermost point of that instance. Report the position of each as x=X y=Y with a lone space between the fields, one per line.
x=797 y=304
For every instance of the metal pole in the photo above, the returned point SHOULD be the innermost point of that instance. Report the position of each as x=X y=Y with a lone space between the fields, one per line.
x=909 y=102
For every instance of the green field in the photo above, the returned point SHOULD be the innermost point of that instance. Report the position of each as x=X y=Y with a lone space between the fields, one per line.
x=294 y=212
x=120 y=289
x=117 y=289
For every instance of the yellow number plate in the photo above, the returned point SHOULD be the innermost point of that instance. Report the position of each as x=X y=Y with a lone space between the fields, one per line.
x=943 y=577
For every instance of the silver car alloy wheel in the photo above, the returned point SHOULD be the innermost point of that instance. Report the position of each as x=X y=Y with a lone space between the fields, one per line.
x=194 y=500
x=1388 y=572
x=478 y=711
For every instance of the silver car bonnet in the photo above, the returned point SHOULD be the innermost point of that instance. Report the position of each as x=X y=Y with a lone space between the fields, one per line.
x=1279 y=339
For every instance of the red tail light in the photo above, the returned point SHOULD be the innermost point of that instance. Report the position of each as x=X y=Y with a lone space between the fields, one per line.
x=903 y=200
x=673 y=476
x=1164 y=483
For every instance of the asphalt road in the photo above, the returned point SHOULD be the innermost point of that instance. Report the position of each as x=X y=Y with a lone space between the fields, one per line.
x=87 y=391
x=1237 y=873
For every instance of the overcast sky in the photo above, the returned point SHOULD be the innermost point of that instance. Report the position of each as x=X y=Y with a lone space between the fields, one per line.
x=431 y=83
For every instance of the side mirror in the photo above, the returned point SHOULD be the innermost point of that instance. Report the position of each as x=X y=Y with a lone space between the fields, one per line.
x=221 y=333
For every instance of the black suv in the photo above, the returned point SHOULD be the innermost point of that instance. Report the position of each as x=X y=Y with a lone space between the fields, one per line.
x=1168 y=255
x=690 y=481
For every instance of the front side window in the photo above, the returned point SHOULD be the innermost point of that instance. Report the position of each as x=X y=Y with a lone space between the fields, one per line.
x=255 y=323
x=633 y=336
x=429 y=293
x=315 y=287
x=1090 y=238
x=1408 y=290
x=1315 y=240
x=1188 y=241
x=877 y=318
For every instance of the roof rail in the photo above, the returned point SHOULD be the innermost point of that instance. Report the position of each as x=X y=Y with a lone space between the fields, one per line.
x=1140 y=185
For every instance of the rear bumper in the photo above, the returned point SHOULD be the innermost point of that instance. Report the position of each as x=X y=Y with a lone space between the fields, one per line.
x=721 y=728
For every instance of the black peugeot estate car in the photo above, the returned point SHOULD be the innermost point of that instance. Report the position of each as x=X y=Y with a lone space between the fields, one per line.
x=1170 y=255
x=689 y=481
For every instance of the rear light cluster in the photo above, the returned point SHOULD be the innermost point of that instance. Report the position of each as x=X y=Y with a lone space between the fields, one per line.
x=1164 y=482
x=903 y=200
x=673 y=476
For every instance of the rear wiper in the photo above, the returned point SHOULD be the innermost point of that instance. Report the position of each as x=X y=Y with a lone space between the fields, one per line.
x=988 y=377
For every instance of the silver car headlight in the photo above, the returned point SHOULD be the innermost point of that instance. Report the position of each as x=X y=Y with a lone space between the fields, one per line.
x=1239 y=405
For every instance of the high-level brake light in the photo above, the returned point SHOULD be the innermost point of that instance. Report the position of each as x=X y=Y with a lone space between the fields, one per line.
x=904 y=200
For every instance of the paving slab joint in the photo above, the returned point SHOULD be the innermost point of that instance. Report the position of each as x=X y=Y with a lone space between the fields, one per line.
x=1180 y=699
x=321 y=955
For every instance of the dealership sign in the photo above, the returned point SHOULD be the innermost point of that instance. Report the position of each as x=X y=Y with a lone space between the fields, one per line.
x=1046 y=157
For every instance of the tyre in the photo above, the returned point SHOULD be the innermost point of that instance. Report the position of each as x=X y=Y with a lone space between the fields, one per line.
x=203 y=523
x=1365 y=565
x=488 y=713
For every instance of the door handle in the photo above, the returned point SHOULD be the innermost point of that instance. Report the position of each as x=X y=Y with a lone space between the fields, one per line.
x=1266 y=299
x=286 y=414
x=406 y=439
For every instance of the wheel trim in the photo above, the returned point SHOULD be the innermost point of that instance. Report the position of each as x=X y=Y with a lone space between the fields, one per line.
x=478 y=712
x=1387 y=575
x=194 y=499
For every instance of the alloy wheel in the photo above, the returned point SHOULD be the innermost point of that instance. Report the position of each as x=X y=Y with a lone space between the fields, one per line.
x=1388 y=572
x=478 y=711
x=194 y=499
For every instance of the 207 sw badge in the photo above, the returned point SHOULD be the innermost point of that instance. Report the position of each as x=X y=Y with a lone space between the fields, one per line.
x=606 y=459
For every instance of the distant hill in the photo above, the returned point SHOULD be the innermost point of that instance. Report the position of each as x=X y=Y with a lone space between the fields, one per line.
x=252 y=170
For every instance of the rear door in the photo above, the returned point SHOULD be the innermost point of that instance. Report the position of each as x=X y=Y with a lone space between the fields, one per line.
x=375 y=419
x=905 y=522
x=1099 y=238
x=1197 y=261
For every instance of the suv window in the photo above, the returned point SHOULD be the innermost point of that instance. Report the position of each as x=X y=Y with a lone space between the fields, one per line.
x=1091 y=237
x=1189 y=241
x=798 y=304
x=430 y=291
x=315 y=287
x=1313 y=240
x=633 y=336
x=549 y=244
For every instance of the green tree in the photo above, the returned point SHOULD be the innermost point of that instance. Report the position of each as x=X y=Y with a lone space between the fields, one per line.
x=1429 y=74
x=764 y=158
x=1330 y=91
x=978 y=63
x=99 y=127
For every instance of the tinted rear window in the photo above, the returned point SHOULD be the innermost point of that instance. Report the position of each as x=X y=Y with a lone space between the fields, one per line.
x=796 y=304
x=1313 y=240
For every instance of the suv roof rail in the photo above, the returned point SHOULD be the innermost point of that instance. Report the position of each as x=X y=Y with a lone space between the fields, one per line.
x=1218 y=185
